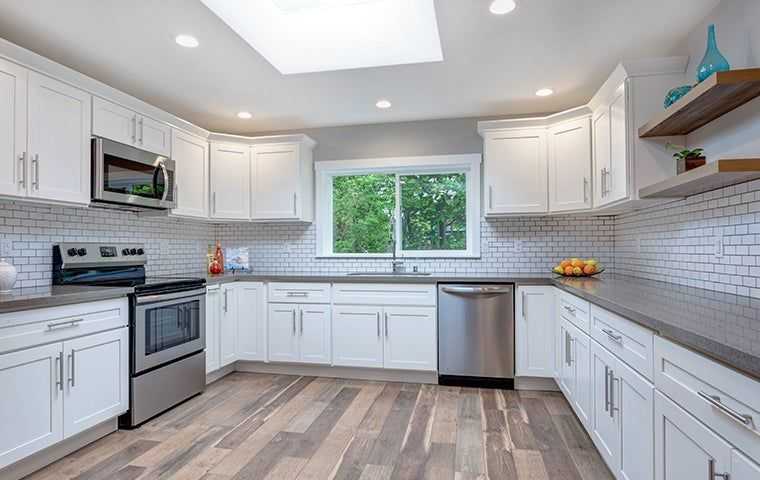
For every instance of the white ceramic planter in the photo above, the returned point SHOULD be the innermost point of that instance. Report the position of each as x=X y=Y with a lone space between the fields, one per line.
x=7 y=276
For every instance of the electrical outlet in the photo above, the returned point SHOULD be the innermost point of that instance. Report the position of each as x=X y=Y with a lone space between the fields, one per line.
x=718 y=252
x=6 y=247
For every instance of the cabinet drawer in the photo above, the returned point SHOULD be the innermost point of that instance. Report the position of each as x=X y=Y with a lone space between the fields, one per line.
x=574 y=309
x=299 y=292
x=46 y=325
x=724 y=400
x=630 y=342
x=384 y=294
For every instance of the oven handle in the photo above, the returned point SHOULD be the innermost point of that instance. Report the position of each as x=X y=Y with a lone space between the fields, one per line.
x=170 y=296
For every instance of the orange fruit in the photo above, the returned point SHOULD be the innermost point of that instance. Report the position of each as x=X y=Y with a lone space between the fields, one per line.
x=577 y=271
x=578 y=263
x=589 y=269
x=564 y=264
x=568 y=270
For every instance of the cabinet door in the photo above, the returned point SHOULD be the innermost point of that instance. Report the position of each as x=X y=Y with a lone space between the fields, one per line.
x=228 y=325
x=275 y=178
x=605 y=427
x=601 y=151
x=31 y=405
x=634 y=398
x=581 y=364
x=410 y=338
x=314 y=330
x=742 y=468
x=357 y=336
x=191 y=154
x=230 y=182
x=59 y=141
x=684 y=448
x=114 y=122
x=252 y=312
x=13 y=163
x=566 y=369
x=570 y=166
x=97 y=379
x=535 y=331
x=282 y=331
x=516 y=172
x=617 y=180
x=154 y=136
x=213 y=312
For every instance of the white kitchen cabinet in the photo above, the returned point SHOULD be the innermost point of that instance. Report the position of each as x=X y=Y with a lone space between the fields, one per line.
x=59 y=141
x=282 y=331
x=97 y=379
x=574 y=368
x=251 y=321
x=191 y=181
x=604 y=419
x=126 y=126
x=534 y=331
x=314 y=334
x=600 y=128
x=357 y=336
x=228 y=326
x=742 y=468
x=570 y=165
x=410 y=334
x=31 y=405
x=515 y=171
x=213 y=320
x=282 y=180
x=611 y=148
x=230 y=181
x=13 y=126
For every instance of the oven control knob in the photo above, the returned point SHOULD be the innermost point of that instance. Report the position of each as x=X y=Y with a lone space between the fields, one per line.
x=140 y=251
x=72 y=252
x=133 y=251
x=125 y=251
x=82 y=252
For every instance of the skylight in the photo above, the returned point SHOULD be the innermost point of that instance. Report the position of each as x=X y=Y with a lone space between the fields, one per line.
x=301 y=36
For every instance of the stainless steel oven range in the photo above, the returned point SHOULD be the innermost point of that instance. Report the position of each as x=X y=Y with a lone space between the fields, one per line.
x=167 y=323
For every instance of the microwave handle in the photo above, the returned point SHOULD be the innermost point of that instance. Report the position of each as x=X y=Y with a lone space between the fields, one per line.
x=166 y=180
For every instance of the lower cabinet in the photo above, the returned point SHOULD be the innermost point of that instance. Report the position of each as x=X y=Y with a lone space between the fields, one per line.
x=299 y=333
x=400 y=338
x=228 y=325
x=573 y=370
x=61 y=389
x=250 y=338
x=213 y=314
x=534 y=331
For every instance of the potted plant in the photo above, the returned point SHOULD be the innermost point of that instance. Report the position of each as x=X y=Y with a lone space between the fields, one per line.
x=688 y=158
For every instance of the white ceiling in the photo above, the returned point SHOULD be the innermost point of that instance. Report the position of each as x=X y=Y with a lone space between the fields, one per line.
x=492 y=64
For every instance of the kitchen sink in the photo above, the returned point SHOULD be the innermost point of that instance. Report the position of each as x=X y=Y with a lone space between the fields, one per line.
x=388 y=274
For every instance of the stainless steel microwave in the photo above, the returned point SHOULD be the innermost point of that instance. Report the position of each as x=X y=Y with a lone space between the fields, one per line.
x=124 y=175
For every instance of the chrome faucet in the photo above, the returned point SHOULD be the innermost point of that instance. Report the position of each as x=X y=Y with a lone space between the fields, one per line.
x=397 y=265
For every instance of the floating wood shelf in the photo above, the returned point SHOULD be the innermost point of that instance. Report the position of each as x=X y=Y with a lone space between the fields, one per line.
x=716 y=96
x=712 y=176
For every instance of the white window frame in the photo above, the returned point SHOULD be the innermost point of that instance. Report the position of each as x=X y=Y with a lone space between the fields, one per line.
x=469 y=164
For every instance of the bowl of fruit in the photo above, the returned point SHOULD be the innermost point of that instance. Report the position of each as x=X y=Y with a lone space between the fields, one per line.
x=575 y=267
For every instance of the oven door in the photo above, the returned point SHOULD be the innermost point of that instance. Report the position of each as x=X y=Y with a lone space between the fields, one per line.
x=167 y=327
x=127 y=175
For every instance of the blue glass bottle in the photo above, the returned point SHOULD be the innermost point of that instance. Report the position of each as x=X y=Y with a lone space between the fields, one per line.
x=713 y=60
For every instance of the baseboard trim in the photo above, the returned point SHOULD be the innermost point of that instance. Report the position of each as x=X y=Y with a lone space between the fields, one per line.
x=381 y=375
x=536 y=383
x=45 y=457
x=222 y=372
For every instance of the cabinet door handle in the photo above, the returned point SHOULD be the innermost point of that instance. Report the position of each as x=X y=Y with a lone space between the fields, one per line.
x=716 y=402
x=711 y=475
x=378 y=324
x=59 y=371
x=386 y=325
x=613 y=336
x=36 y=171
x=295 y=204
x=567 y=349
x=613 y=379
x=142 y=128
x=72 y=359
x=225 y=301
x=134 y=128
x=606 y=388
x=22 y=169
x=585 y=189
x=524 y=306
x=294 y=322
x=301 y=312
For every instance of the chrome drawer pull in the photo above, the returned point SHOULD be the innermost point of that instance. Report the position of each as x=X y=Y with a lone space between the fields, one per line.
x=711 y=475
x=606 y=388
x=67 y=324
x=59 y=373
x=613 y=336
x=715 y=401
x=569 y=309
x=297 y=294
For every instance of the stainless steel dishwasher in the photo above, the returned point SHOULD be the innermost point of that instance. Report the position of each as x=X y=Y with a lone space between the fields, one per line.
x=476 y=335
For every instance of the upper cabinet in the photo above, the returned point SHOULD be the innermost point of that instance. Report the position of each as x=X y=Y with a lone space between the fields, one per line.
x=191 y=154
x=230 y=181
x=123 y=125
x=44 y=137
x=515 y=171
x=570 y=165
x=611 y=149
x=282 y=179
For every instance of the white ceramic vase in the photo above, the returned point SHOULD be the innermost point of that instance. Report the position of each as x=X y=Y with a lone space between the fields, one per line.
x=7 y=276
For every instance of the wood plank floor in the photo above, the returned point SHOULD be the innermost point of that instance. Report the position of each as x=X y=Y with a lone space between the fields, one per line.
x=256 y=426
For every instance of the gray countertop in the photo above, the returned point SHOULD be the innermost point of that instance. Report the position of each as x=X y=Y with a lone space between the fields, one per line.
x=53 y=296
x=522 y=279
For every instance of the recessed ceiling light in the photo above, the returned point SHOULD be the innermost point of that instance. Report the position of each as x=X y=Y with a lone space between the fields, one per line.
x=500 y=7
x=382 y=104
x=245 y=115
x=544 y=92
x=188 y=41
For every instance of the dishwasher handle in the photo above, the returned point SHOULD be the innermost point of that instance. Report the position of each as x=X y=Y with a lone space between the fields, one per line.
x=477 y=290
